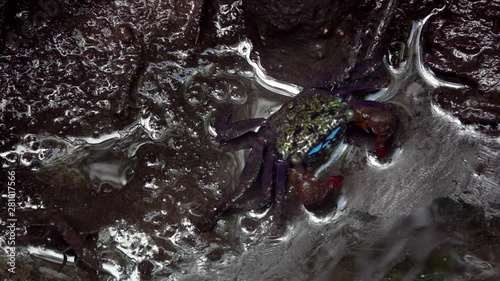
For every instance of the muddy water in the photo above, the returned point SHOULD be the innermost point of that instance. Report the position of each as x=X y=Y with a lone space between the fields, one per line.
x=140 y=191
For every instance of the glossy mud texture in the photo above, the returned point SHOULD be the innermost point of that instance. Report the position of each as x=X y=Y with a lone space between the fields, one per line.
x=313 y=35
x=463 y=45
x=105 y=117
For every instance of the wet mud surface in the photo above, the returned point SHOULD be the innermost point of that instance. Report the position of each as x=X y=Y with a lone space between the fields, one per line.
x=106 y=118
x=463 y=45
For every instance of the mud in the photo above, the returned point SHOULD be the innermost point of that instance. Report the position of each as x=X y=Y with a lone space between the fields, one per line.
x=322 y=38
x=80 y=62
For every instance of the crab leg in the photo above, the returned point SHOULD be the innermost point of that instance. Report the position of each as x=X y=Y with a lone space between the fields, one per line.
x=227 y=130
x=236 y=129
x=85 y=252
x=74 y=239
x=277 y=209
x=280 y=191
x=252 y=167
x=247 y=177
x=245 y=142
x=267 y=175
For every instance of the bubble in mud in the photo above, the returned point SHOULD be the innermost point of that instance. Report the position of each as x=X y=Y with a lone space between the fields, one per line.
x=244 y=49
x=11 y=157
x=106 y=188
x=104 y=104
x=27 y=158
x=246 y=73
x=30 y=138
x=219 y=95
x=155 y=127
x=43 y=154
x=176 y=122
x=231 y=71
x=23 y=15
x=213 y=188
x=193 y=100
x=192 y=133
x=318 y=50
x=151 y=185
x=174 y=144
x=196 y=93
x=35 y=63
x=96 y=187
x=238 y=97
x=129 y=173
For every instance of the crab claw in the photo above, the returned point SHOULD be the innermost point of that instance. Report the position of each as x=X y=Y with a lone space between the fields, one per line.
x=312 y=192
x=379 y=119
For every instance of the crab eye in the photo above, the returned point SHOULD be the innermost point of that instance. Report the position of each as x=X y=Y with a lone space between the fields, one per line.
x=297 y=158
x=350 y=115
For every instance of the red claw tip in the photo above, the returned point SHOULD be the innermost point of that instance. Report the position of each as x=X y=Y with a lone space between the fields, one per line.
x=336 y=181
x=381 y=152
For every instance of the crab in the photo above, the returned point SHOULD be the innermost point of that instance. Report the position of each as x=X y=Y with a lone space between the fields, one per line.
x=294 y=141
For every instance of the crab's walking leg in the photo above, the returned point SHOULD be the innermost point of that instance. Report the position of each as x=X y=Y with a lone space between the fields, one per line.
x=277 y=209
x=267 y=175
x=247 y=178
x=236 y=129
x=244 y=142
x=252 y=167
x=280 y=190
x=227 y=130
x=264 y=197
x=75 y=240
x=82 y=249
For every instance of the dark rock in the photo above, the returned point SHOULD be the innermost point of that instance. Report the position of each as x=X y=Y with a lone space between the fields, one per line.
x=67 y=69
x=304 y=19
x=419 y=9
x=463 y=43
x=471 y=106
x=3 y=12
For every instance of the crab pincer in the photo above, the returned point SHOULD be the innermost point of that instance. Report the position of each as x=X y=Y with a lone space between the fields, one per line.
x=312 y=192
x=379 y=119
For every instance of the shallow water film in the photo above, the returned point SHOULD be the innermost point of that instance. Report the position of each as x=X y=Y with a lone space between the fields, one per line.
x=140 y=140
